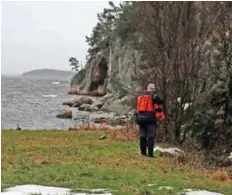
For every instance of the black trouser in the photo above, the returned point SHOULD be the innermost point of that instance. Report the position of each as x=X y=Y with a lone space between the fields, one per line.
x=147 y=138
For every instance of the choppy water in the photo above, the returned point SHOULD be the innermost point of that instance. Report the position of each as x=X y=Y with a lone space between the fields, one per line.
x=33 y=102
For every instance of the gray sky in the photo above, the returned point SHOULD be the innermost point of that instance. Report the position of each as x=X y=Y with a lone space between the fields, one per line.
x=45 y=34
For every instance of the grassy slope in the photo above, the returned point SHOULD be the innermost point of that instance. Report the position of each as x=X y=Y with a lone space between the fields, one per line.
x=81 y=160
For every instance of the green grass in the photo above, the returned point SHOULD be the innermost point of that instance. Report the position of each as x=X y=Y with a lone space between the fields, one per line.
x=80 y=160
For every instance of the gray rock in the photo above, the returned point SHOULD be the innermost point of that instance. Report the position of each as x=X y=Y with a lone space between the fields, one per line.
x=68 y=103
x=106 y=98
x=121 y=70
x=119 y=106
x=64 y=113
x=85 y=107
x=123 y=117
x=76 y=105
x=98 y=104
x=88 y=107
x=94 y=108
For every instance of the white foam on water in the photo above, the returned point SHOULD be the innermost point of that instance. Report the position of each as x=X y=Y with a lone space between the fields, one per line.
x=56 y=83
x=49 y=96
x=47 y=190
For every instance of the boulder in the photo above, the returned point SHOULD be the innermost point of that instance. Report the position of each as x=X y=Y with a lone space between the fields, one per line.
x=88 y=107
x=82 y=100
x=94 y=108
x=68 y=103
x=98 y=104
x=75 y=105
x=64 y=113
x=106 y=98
x=84 y=107
x=78 y=102
x=119 y=106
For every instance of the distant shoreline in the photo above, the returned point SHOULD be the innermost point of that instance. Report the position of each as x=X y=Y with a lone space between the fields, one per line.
x=47 y=72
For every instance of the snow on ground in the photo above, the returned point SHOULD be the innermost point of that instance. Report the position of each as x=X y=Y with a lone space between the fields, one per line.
x=230 y=157
x=173 y=151
x=46 y=190
x=199 y=192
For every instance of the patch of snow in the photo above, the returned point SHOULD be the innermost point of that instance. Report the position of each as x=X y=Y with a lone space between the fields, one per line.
x=199 y=192
x=46 y=190
x=96 y=190
x=49 y=96
x=186 y=105
x=150 y=184
x=173 y=151
x=179 y=100
x=165 y=188
x=56 y=83
x=230 y=157
x=188 y=190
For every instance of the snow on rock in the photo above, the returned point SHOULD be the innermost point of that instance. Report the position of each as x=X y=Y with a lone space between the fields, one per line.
x=45 y=190
x=171 y=151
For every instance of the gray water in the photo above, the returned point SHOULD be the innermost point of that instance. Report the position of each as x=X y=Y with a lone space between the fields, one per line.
x=33 y=102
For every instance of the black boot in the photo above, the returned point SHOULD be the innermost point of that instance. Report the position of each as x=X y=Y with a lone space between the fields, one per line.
x=150 y=145
x=143 y=146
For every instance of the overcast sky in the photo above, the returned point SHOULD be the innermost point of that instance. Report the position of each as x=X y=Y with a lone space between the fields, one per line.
x=45 y=34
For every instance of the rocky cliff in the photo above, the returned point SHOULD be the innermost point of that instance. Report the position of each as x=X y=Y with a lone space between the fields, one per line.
x=110 y=72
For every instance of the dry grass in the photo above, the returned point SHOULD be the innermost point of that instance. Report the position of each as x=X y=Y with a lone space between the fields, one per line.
x=222 y=176
x=122 y=133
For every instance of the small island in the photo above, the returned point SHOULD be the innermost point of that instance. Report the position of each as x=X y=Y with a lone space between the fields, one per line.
x=48 y=73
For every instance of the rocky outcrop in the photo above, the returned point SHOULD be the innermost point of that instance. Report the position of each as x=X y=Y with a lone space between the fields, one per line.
x=88 y=107
x=91 y=80
x=65 y=114
x=110 y=72
x=78 y=102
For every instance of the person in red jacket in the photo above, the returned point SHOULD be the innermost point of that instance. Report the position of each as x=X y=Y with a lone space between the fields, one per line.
x=147 y=113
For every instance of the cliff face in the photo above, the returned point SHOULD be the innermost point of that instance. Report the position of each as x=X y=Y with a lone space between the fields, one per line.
x=91 y=79
x=111 y=72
